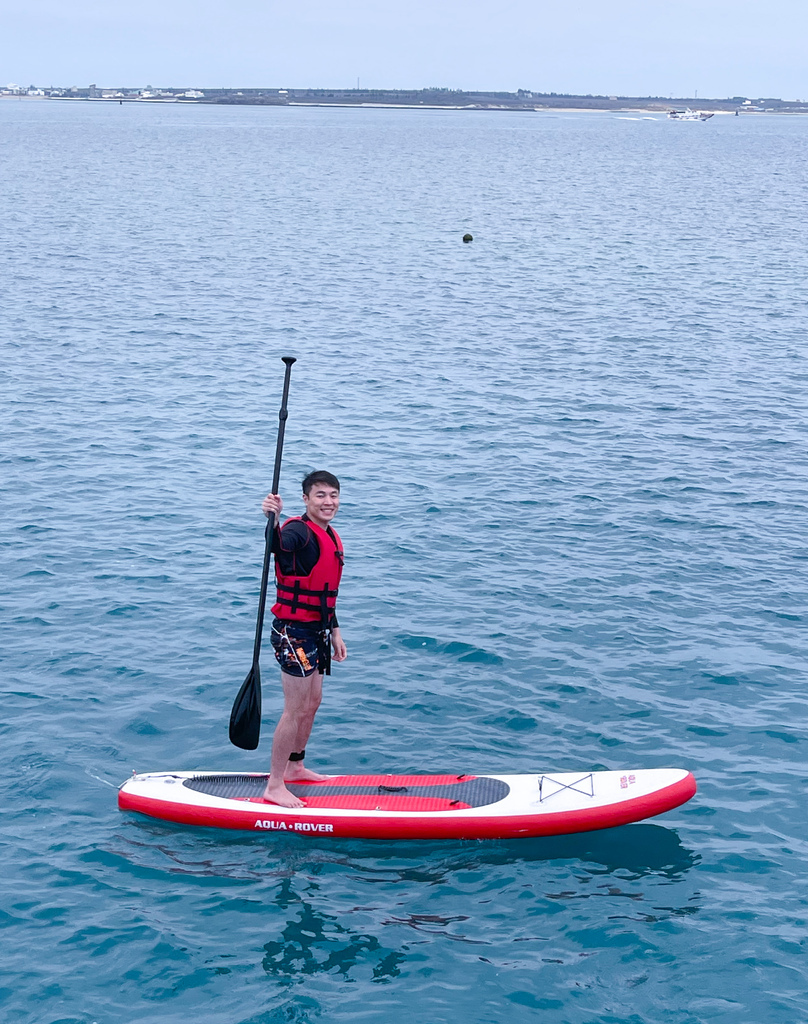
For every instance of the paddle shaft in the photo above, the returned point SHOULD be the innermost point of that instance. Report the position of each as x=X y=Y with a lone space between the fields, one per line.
x=276 y=479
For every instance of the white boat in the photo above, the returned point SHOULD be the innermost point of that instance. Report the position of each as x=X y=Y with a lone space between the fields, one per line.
x=689 y=115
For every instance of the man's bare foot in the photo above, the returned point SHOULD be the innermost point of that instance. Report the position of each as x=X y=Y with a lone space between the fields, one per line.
x=277 y=793
x=295 y=772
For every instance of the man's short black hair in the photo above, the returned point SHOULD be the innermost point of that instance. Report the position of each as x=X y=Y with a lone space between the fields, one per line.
x=319 y=476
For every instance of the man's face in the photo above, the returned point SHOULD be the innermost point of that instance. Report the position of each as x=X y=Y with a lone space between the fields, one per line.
x=322 y=503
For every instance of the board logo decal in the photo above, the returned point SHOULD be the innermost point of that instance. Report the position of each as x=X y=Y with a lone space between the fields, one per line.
x=627 y=780
x=293 y=826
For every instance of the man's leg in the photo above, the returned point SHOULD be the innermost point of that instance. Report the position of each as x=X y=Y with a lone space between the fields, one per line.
x=301 y=698
x=296 y=770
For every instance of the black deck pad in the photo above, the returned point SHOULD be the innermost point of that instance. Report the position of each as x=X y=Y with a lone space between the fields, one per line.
x=477 y=792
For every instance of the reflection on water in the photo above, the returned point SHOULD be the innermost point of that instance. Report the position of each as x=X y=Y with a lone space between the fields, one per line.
x=314 y=942
x=434 y=924
x=360 y=911
x=642 y=850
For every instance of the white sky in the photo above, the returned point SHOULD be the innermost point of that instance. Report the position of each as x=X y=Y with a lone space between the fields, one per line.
x=716 y=47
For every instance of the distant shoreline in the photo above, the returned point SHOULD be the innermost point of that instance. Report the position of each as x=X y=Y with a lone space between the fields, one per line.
x=425 y=99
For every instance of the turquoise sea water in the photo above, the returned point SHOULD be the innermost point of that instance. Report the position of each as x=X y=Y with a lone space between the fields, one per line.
x=573 y=457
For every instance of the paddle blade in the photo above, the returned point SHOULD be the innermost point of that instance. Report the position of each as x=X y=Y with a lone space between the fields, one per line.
x=245 y=718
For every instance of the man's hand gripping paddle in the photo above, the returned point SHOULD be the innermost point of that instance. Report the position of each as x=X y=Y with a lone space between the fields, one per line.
x=245 y=718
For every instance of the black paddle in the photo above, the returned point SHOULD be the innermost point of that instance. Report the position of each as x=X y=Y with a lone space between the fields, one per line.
x=245 y=718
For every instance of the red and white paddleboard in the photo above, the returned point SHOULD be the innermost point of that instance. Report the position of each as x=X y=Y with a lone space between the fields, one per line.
x=414 y=806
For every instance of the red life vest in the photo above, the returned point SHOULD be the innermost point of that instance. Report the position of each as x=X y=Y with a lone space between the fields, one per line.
x=312 y=598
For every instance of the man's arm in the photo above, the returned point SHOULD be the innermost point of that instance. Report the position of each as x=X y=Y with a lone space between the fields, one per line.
x=338 y=645
x=287 y=539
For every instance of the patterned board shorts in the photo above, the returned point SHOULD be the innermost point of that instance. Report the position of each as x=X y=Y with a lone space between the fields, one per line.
x=300 y=651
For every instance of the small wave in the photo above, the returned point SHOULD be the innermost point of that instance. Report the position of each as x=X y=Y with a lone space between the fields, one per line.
x=456 y=649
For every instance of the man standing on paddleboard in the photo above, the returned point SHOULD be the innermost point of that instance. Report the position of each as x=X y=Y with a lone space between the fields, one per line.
x=305 y=631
